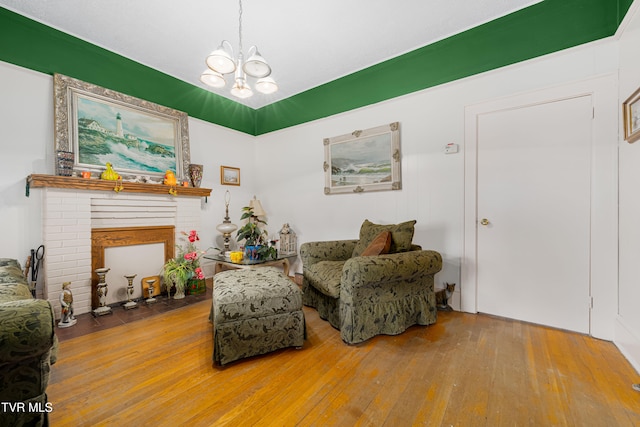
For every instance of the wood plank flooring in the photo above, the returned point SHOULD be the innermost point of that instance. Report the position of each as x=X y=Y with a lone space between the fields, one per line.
x=467 y=370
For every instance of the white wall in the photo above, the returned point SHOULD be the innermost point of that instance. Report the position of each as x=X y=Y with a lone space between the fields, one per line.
x=627 y=335
x=26 y=138
x=433 y=182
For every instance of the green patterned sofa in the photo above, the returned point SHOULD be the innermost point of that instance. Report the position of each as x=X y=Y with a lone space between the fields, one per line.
x=364 y=296
x=28 y=347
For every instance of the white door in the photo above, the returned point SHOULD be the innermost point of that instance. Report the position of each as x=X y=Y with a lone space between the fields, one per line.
x=533 y=213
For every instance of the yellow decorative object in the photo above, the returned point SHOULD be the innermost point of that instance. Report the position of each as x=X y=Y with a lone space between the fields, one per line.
x=170 y=178
x=236 y=256
x=109 y=174
x=118 y=188
x=173 y=191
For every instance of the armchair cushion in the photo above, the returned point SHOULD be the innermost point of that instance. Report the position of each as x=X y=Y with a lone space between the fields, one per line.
x=380 y=245
x=401 y=236
x=325 y=277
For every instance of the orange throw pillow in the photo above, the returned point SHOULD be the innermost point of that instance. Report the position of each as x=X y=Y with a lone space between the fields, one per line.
x=379 y=246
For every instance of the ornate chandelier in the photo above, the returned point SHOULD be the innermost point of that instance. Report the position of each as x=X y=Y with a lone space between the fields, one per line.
x=221 y=61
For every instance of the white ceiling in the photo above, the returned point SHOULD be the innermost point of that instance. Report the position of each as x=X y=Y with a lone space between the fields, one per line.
x=306 y=43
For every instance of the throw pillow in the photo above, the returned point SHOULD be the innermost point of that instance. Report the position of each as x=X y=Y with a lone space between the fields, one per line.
x=379 y=246
x=401 y=236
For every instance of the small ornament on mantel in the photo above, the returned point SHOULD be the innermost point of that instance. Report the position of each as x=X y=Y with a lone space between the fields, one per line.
x=66 y=304
x=288 y=241
x=195 y=174
x=171 y=180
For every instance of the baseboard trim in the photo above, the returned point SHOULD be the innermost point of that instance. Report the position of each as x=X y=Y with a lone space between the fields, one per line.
x=627 y=342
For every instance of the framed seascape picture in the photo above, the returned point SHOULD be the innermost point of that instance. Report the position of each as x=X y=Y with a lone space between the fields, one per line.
x=631 y=116
x=100 y=126
x=229 y=175
x=364 y=160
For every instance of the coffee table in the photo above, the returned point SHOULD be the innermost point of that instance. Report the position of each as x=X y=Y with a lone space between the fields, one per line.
x=223 y=263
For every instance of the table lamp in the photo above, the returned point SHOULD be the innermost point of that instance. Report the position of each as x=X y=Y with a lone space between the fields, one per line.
x=226 y=228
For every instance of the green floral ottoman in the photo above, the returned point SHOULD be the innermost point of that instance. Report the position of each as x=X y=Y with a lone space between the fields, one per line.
x=255 y=311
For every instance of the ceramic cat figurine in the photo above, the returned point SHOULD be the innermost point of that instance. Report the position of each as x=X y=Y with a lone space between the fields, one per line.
x=443 y=295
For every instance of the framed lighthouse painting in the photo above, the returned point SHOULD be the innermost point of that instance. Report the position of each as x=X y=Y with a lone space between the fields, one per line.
x=137 y=137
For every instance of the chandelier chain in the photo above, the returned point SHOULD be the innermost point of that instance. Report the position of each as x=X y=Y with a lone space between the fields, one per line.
x=240 y=26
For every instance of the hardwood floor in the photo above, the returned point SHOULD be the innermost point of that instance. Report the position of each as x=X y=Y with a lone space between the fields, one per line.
x=467 y=370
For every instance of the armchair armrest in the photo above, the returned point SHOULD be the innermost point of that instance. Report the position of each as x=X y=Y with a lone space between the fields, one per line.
x=27 y=330
x=332 y=250
x=367 y=271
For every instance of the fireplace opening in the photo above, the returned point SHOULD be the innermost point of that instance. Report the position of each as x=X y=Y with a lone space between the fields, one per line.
x=140 y=237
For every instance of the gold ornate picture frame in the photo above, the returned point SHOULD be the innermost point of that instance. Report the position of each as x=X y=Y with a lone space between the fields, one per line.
x=363 y=161
x=138 y=137
x=229 y=175
x=631 y=117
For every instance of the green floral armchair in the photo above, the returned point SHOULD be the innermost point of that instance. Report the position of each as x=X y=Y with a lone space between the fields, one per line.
x=369 y=295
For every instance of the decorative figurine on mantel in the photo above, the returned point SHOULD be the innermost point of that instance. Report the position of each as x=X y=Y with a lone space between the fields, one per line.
x=109 y=174
x=171 y=180
x=66 y=303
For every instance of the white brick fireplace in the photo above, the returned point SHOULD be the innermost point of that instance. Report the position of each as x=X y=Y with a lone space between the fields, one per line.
x=69 y=215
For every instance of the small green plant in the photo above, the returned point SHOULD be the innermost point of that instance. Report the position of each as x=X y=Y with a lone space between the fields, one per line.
x=254 y=235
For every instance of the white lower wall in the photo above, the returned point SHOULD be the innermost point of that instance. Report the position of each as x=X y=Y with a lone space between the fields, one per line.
x=627 y=334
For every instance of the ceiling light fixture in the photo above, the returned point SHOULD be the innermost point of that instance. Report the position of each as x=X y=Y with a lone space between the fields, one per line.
x=221 y=61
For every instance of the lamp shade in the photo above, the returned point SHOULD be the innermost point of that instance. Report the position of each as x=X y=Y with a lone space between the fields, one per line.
x=221 y=60
x=241 y=89
x=256 y=65
x=257 y=207
x=266 y=85
x=212 y=78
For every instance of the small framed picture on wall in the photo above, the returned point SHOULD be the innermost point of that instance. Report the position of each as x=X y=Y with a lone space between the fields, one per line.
x=631 y=115
x=229 y=175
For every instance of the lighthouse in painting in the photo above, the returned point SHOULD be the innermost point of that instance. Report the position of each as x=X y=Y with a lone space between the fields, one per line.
x=119 y=131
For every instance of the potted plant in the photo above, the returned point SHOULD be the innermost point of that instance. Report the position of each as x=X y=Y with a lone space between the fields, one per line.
x=256 y=241
x=185 y=266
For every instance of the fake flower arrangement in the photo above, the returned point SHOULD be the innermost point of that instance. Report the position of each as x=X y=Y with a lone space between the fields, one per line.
x=186 y=264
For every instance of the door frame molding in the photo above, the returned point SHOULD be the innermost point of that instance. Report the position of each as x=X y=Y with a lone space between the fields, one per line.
x=604 y=193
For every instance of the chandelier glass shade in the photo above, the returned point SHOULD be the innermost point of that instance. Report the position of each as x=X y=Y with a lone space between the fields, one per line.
x=222 y=61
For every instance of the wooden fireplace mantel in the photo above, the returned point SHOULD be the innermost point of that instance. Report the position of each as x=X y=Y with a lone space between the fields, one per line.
x=39 y=181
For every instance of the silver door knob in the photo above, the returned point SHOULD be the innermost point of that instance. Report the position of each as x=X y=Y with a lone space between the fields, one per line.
x=484 y=221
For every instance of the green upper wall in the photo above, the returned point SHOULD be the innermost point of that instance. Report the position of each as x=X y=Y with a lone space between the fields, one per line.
x=540 y=29
x=546 y=27
x=36 y=46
